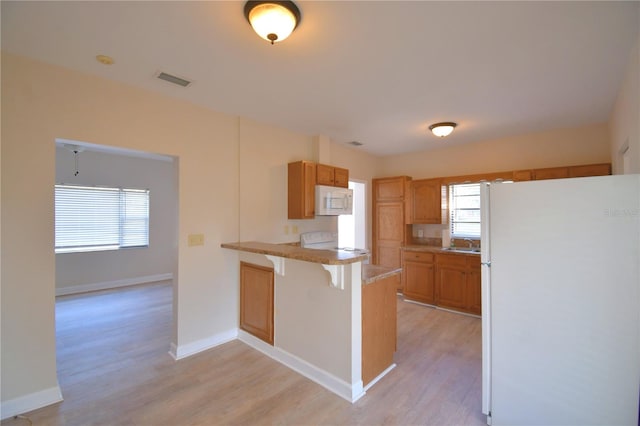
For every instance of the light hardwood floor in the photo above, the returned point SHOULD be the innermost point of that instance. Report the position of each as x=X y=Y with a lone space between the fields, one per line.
x=114 y=369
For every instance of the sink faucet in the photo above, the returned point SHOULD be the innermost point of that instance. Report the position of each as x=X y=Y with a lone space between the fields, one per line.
x=470 y=241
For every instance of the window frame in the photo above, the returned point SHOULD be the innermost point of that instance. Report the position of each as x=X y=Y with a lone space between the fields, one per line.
x=451 y=211
x=111 y=209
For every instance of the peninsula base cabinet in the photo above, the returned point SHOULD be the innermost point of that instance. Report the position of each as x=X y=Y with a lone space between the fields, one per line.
x=379 y=326
x=256 y=300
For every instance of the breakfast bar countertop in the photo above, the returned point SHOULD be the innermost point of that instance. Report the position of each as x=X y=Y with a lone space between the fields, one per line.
x=290 y=251
x=373 y=273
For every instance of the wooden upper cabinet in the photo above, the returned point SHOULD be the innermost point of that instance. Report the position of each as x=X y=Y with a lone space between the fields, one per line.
x=324 y=175
x=426 y=200
x=551 y=173
x=332 y=176
x=390 y=189
x=340 y=177
x=522 y=175
x=602 y=169
x=590 y=170
x=302 y=190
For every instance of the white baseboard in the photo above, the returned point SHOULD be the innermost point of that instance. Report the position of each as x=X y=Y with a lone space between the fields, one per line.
x=105 y=285
x=33 y=401
x=350 y=392
x=183 y=351
x=379 y=376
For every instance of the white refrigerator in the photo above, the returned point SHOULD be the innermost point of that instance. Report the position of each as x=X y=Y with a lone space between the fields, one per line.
x=561 y=301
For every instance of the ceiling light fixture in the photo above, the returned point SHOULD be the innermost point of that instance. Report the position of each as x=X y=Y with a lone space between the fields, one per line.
x=442 y=129
x=274 y=21
x=104 y=59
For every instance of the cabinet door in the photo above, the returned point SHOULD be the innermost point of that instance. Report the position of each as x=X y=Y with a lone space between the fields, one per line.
x=474 y=284
x=590 y=170
x=256 y=301
x=551 y=173
x=522 y=175
x=379 y=325
x=388 y=254
x=301 y=190
x=389 y=233
x=419 y=281
x=426 y=196
x=451 y=287
x=341 y=177
x=324 y=175
x=389 y=188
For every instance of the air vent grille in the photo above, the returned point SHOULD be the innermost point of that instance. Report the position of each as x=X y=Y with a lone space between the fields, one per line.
x=173 y=79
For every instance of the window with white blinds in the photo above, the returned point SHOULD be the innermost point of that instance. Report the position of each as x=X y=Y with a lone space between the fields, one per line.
x=464 y=210
x=97 y=218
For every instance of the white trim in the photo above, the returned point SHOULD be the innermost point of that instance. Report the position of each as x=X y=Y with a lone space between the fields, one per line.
x=183 y=351
x=30 y=402
x=379 y=376
x=350 y=392
x=106 y=285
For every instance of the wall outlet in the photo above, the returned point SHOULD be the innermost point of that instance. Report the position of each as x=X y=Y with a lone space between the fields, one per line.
x=286 y=229
x=295 y=229
x=420 y=233
x=195 y=240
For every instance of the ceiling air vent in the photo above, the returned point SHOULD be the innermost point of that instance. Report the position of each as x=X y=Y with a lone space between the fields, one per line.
x=355 y=143
x=173 y=79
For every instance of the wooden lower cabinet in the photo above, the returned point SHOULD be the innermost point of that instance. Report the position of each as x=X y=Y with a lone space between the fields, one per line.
x=451 y=281
x=451 y=287
x=474 y=290
x=256 y=300
x=418 y=273
x=379 y=326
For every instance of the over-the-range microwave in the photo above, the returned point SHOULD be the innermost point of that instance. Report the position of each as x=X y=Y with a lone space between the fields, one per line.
x=333 y=201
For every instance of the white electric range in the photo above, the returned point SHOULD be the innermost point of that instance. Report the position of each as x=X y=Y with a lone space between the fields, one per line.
x=324 y=240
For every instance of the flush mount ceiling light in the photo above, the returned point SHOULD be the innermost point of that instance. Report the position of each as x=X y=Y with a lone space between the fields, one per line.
x=442 y=129
x=274 y=21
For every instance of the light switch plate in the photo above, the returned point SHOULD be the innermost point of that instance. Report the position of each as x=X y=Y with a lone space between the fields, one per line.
x=196 y=240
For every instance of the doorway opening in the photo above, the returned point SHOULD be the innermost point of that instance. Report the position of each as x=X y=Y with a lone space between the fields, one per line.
x=352 y=228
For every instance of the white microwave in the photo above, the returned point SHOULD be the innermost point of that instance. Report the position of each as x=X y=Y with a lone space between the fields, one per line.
x=333 y=201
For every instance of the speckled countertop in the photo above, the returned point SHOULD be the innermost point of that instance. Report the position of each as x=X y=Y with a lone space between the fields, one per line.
x=373 y=273
x=289 y=251
x=370 y=273
x=441 y=250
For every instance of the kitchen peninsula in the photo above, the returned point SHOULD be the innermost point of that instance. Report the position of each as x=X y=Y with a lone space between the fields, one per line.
x=333 y=318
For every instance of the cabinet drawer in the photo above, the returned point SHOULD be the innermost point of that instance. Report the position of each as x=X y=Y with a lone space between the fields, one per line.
x=473 y=260
x=451 y=260
x=418 y=256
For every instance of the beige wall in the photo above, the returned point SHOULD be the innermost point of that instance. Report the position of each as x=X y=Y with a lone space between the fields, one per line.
x=41 y=103
x=625 y=117
x=562 y=147
x=104 y=269
x=231 y=177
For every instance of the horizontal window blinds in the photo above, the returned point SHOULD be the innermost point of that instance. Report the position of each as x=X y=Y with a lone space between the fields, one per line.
x=464 y=209
x=95 y=218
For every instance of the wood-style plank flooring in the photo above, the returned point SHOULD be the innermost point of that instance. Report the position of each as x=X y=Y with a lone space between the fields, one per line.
x=114 y=369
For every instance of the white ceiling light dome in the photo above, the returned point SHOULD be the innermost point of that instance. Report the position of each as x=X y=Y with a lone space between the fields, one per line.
x=442 y=129
x=274 y=21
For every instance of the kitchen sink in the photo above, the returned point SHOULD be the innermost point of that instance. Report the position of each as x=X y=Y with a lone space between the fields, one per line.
x=463 y=249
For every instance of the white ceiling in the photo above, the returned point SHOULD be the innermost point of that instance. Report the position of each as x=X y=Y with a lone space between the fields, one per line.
x=378 y=72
